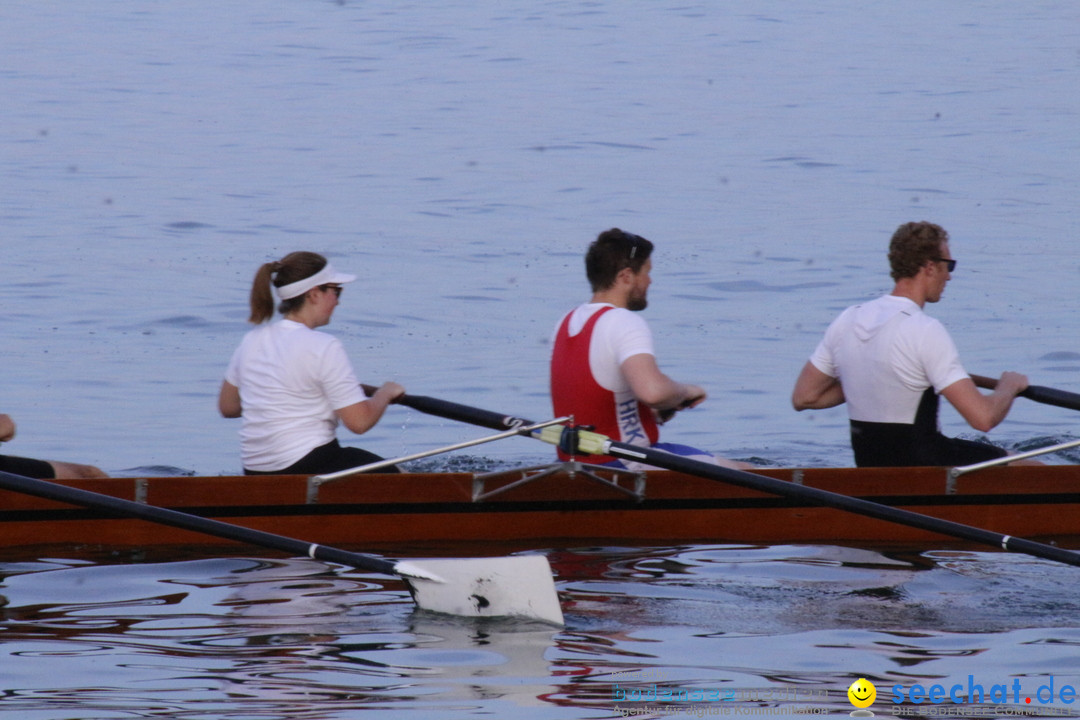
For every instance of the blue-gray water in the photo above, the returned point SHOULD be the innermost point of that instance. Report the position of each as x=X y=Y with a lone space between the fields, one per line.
x=775 y=630
x=459 y=156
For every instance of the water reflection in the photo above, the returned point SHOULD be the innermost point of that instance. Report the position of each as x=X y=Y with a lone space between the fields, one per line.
x=279 y=634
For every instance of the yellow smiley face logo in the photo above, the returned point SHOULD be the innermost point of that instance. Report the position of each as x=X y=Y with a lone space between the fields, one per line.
x=862 y=693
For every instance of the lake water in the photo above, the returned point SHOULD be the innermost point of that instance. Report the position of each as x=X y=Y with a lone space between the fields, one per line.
x=780 y=631
x=459 y=157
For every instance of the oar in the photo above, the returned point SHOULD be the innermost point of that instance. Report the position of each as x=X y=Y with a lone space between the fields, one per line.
x=1038 y=393
x=590 y=443
x=455 y=411
x=518 y=586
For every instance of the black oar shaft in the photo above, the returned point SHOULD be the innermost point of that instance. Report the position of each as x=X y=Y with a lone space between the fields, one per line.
x=455 y=411
x=1038 y=393
x=165 y=516
x=666 y=460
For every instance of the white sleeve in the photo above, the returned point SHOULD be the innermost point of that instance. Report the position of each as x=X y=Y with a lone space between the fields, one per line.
x=232 y=372
x=629 y=334
x=941 y=360
x=618 y=335
x=824 y=357
x=337 y=377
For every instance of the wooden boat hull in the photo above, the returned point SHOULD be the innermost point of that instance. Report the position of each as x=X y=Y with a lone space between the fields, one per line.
x=561 y=509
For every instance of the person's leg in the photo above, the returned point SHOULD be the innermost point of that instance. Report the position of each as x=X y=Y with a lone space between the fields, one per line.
x=75 y=471
x=329 y=458
x=27 y=467
x=969 y=452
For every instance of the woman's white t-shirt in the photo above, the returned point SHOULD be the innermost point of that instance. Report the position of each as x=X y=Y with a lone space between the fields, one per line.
x=291 y=380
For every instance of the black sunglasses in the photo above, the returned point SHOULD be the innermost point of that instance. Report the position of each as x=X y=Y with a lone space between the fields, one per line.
x=336 y=288
x=635 y=242
x=950 y=264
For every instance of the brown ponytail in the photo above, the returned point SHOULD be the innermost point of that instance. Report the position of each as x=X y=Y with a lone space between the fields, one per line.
x=293 y=267
x=262 y=301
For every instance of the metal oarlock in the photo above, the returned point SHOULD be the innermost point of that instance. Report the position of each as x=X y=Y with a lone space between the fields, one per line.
x=316 y=481
x=964 y=469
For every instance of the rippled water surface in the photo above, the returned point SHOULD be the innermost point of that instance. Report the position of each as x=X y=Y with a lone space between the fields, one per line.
x=459 y=156
x=784 y=628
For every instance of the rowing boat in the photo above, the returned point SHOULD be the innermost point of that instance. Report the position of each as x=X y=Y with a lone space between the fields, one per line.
x=567 y=503
x=561 y=505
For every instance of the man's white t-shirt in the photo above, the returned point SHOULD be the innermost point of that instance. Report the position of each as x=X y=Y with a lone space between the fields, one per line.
x=291 y=380
x=886 y=353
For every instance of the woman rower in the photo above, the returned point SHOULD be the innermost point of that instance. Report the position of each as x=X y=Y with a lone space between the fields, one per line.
x=291 y=383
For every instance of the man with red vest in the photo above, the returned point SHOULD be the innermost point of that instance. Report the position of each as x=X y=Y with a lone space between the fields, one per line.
x=603 y=368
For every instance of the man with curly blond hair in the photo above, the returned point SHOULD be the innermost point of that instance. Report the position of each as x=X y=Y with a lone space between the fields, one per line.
x=890 y=361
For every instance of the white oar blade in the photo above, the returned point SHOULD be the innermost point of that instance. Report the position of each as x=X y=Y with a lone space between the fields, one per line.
x=518 y=586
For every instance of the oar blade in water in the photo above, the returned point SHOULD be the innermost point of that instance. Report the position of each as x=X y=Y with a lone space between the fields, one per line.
x=519 y=586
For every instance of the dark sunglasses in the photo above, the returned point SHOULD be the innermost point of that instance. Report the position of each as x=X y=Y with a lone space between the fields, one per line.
x=336 y=288
x=950 y=264
x=635 y=243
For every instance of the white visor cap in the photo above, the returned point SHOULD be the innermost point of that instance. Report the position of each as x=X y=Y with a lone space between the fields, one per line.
x=327 y=276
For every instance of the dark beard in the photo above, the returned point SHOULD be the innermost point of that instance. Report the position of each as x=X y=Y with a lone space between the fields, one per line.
x=637 y=304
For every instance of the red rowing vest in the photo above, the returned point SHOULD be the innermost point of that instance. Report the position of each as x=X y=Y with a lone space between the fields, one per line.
x=575 y=392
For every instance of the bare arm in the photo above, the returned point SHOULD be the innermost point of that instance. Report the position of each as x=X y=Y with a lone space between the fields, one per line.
x=985 y=412
x=229 y=400
x=814 y=390
x=362 y=416
x=7 y=428
x=656 y=389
